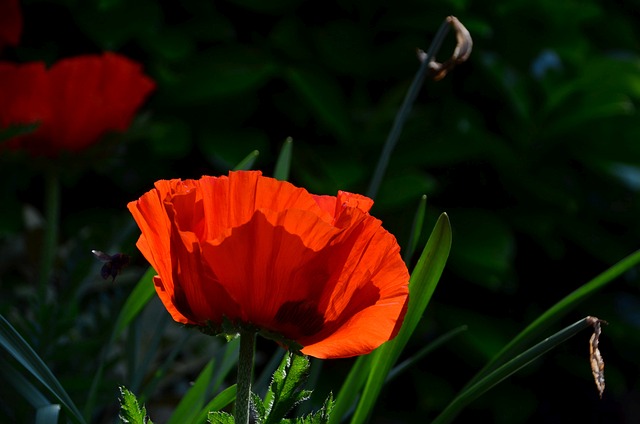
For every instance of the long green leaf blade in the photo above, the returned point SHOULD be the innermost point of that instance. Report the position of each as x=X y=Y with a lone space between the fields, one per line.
x=137 y=300
x=20 y=350
x=416 y=229
x=223 y=399
x=48 y=414
x=424 y=280
x=350 y=390
x=246 y=163
x=409 y=362
x=500 y=373
x=535 y=330
x=192 y=402
x=283 y=164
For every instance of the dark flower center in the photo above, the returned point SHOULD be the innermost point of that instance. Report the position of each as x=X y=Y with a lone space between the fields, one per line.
x=301 y=314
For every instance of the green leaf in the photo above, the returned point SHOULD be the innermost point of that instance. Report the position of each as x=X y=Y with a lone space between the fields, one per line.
x=17 y=130
x=19 y=349
x=350 y=390
x=170 y=137
x=285 y=390
x=536 y=329
x=259 y=408
x=137 y=300
x=48 y=414
x=498 y=374
x=320 y=417
x=130 y=411
x=281 y=171
x=220 y=418
x=409 y=362
x=192 y=402
x=424 y=280
x=223 y=399
x=247 y=162
x=214 y=74
x=325 y=98
x=416 y=229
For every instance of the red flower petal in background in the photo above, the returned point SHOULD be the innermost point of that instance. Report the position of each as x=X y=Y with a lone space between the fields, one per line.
x=24 y=94
x=317 y=270
x=10 y=23
x=76 y=101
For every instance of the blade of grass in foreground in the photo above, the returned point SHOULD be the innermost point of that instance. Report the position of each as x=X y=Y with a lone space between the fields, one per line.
x=134 y=304
x=20 y=350
x=409 y=362
x=192 y=402
x=283 y=164
x=46 y=412
x=505 y=370
x=223 y=399
x=535 y=330
x=247 y=162
x=424 y=280
x=416 y=230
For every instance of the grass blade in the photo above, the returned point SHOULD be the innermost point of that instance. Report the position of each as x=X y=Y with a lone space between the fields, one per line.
x=408 y=363
x=246 y=163
x=137 y=300
x=223 y=399
x=283 y=164
x=192 y=402
x=424 y=280
x=350 y=390
x=535 y=330
x=505 y=370
x=20 y=350
x=416 y=230
x=48 y=414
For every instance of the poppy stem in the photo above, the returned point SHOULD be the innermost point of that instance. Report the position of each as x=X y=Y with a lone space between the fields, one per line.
x=245 y=374
x=50 y=239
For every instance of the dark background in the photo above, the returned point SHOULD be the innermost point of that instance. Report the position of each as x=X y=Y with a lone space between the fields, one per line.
x=532 y=147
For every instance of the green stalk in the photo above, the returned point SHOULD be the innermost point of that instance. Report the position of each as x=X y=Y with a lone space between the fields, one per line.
x=245 y=374
x=50 y=241
x=403 y=113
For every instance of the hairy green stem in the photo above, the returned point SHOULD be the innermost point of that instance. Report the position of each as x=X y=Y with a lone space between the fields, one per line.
x=245 y=374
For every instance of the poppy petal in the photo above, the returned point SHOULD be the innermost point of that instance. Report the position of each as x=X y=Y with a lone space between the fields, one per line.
x=318 y=270
x=10 y=23
x=277 y=266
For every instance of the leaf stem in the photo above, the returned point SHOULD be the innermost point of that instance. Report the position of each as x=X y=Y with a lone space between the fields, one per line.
x=245 y=373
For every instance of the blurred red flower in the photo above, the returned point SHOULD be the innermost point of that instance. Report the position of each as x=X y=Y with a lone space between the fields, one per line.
x=75 y=102
x=10 y=23
x=251 y=250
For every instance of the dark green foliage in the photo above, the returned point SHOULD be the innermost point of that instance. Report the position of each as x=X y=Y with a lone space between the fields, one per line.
x=532 y=148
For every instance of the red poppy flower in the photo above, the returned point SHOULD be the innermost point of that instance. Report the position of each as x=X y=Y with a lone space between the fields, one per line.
x=251 y=250
x=10 y=23
x=75 y=102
